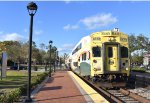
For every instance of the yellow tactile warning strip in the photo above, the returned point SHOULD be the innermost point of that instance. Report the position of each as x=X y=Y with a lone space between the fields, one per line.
x=96 y=97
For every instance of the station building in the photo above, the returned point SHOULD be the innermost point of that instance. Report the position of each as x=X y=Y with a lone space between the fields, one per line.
x=146 y=59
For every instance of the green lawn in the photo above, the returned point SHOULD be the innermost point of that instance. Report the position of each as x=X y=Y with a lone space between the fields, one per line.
x=15 y=79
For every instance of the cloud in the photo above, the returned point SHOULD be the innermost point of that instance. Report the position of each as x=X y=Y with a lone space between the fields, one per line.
x=67 y=1
x=94 y=22
x=12 y=36
x=68 y=45
x=71 y=27
x=38 y=32
x=100 y=20
x=66 y=48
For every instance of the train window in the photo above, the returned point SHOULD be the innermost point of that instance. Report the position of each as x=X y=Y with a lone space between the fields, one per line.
x=124 y=52
x=77 y=48
x=84 y=56
x=88 y=55
x=80 y=58
x=75 y=64
x=96 y=51
x=110 y=52
x=70 y=60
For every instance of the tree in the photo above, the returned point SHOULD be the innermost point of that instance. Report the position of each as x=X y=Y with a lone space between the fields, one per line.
x=65 y=56
x=13 y=49
x=137 y=59
x=24 y=52
x=139 y=43
x=42 y=46
x=36 y=56
x=132 y=43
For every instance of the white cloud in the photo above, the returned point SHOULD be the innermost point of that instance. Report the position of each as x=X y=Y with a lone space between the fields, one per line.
x=98 y=21
x=67 y=1
x=38 y=32
x=94 y=22
x=12 y=36
x=66 y=48
x=71 y=27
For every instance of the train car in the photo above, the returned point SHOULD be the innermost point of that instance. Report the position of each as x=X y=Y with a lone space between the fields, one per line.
x=102 y=55
x=68 y=62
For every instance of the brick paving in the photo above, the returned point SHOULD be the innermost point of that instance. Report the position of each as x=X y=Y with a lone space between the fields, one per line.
x=59 y=89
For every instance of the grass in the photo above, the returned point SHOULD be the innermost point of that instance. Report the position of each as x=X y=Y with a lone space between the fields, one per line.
x=138 y=69
x=15 y=79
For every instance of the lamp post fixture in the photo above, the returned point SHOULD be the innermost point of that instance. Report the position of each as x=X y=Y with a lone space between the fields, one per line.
x=32 y=8
x=50 y=48
x=55 y=49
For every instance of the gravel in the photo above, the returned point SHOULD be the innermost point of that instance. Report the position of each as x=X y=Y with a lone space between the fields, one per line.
x=142 y=92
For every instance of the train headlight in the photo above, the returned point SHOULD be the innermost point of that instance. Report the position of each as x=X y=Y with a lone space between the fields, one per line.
x=95 y=61
x=113 y=39
x=109 y=39
x=126 y=69
x=99 y=67
x=95 y=69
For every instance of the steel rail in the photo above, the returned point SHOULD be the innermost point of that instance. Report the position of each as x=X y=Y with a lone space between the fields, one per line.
x=134 y=96
x=108 y=96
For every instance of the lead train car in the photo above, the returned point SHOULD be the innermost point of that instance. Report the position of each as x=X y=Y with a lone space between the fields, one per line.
x=102 y=55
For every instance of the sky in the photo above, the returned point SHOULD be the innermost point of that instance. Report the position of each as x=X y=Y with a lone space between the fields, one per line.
x=66 y=22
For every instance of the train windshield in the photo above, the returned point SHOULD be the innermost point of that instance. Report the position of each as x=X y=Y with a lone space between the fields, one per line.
x=96 y=51
x=124 y=52
x=110 y=52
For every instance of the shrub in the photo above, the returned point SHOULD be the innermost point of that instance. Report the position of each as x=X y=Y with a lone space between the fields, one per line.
x=23 y=89
x=14 y=94
x=138 y=69
x=10 y=96
x=38 y=79
x=35 y=68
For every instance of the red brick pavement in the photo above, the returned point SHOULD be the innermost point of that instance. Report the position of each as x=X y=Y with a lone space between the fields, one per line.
x=60 y=89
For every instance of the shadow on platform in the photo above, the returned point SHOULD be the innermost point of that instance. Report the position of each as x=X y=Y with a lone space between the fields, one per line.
x=51 y=88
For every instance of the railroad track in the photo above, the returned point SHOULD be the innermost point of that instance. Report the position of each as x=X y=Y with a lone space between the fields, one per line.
x=117 y=95
x=125 y=98
x=142 y=92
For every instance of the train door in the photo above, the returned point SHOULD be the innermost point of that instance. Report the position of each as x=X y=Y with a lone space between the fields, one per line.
x=112 y=58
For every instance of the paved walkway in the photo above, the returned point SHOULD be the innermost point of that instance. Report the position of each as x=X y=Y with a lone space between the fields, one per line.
x=59 y=89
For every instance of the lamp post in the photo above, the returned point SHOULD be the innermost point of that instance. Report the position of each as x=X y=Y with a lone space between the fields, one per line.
x=50 y=47
x=32 y=8
x=57 y=58
x=54 y=57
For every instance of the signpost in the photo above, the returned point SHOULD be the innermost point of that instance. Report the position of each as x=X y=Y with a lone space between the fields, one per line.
x=4 y=65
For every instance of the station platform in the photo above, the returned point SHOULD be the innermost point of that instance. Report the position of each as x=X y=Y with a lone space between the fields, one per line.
x=66 y=87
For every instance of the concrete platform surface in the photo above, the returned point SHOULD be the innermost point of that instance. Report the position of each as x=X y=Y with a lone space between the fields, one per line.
x=91 y=96
x=59 y=89
x=66 y=87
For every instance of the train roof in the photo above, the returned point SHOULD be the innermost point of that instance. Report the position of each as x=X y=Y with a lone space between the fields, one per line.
x=86 y=39
x=114 y=32
x=83 y=40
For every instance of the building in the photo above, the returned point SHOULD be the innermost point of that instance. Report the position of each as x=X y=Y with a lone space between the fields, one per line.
x=146 y=59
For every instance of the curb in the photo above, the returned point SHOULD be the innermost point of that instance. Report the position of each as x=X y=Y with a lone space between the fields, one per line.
x=37 y=89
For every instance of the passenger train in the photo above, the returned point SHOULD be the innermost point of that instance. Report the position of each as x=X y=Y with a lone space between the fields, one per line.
x=101 y=55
